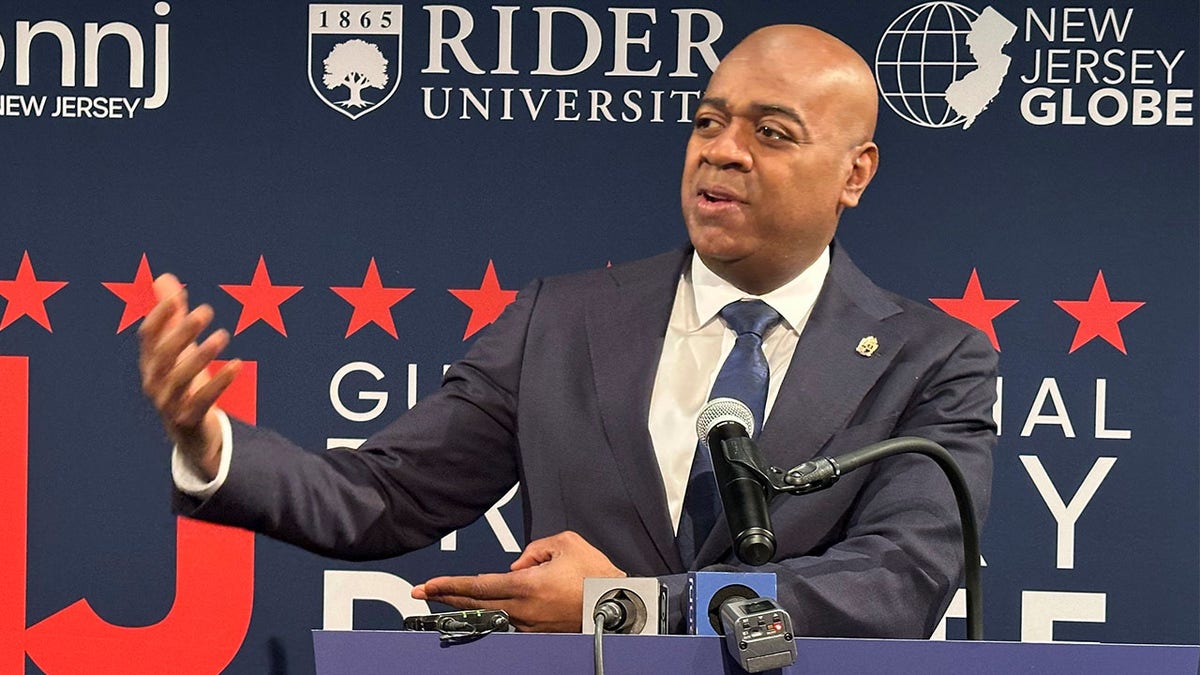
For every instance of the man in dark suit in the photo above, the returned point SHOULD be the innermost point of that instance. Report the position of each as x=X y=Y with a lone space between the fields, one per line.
x=586 y=388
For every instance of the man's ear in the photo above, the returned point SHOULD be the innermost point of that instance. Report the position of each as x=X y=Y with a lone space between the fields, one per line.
x=866 y=162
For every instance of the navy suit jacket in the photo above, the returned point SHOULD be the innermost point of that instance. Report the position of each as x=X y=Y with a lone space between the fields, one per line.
x=556 y=395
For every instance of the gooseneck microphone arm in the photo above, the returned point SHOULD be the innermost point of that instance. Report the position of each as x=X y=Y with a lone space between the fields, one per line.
x=822 y=472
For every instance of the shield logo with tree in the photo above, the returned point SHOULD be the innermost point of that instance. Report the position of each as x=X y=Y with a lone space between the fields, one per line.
x=354 y=55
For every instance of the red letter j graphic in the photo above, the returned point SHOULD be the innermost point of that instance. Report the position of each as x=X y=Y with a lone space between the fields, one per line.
x=214 y=574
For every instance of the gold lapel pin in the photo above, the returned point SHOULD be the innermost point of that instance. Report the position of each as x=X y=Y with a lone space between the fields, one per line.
x=867 y=346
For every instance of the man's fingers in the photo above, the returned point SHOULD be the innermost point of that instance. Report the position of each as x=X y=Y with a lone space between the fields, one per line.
x=207 y=394
x=161 y=349
x=164 y=315
x=482 y=587
x=464 y=602
x=534 y=554
x=544 y=550
x=443 y=587
x=164 y=354
x=174 y=366
x=188 y=329
x=524 y=561
x=172 y=302
x=193 y=361
x=169 y=392
x=192 y=390
x=174 y=369
x=153 y=324
x=166 y=286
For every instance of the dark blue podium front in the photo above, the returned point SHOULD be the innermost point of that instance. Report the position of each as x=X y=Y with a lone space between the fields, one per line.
x=391 y=653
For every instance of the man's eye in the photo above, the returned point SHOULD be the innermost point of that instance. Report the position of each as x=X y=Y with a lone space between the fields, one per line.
x=773 y=133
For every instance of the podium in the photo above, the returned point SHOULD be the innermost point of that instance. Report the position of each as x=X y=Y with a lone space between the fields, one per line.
x=393 y=653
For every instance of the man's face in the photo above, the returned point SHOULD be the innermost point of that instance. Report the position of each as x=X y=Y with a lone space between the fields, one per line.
x=767 y=166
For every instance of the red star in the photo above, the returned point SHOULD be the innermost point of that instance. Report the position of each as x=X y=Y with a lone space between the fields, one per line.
x=486 y=302
x=137 y=294
x=372 y=302
x=260 y=300
x=975 y=309
x=27 y=296
x=1098 y=316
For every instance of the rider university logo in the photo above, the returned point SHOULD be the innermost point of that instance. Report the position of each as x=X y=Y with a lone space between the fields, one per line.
x=940 y=64
x=354 y=55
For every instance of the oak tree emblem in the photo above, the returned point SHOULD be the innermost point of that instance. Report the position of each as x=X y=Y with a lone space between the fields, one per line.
x=356 y=65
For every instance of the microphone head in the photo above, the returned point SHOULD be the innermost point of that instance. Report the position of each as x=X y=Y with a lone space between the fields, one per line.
x=720 y=411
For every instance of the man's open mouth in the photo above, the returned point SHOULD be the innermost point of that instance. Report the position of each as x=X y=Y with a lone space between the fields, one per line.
x=717 y=196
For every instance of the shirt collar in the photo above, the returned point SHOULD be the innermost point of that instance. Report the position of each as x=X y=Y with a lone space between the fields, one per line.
x=793 y=300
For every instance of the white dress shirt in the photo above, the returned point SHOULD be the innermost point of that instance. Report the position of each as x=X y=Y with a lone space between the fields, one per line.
x=696 y=344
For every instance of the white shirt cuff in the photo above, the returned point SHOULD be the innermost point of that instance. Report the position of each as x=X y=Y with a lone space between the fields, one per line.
x=188 y=478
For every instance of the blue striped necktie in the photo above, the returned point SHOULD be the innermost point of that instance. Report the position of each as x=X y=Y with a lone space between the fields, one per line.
x=744 y=376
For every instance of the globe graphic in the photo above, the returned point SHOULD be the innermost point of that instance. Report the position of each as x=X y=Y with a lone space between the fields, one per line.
x=920 y=54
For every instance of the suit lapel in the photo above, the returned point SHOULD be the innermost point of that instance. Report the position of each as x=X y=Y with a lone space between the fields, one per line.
x=828 y=379
x=626 y=322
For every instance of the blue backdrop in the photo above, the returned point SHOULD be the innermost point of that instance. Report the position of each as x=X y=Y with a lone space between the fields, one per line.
x=222 y=142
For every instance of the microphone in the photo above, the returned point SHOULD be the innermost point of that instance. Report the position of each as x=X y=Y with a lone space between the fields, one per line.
x=617 y=613
x=613 y=613
x=758 y=633
x=757 y=630
x=742 y=495
x=627 y=605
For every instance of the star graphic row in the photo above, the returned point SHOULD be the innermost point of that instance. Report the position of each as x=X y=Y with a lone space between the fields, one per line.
x=1099 y=316
x=372 y=302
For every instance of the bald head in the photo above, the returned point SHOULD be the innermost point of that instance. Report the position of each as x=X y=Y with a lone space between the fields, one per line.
x=781 y=145
x=835 y=78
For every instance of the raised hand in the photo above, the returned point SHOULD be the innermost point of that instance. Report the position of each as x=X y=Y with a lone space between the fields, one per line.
x=174 y=375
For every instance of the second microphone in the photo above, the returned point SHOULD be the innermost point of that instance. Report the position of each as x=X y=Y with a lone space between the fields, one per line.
x=742 y=495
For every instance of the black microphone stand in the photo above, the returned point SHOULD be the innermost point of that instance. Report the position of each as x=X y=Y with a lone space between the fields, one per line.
x=823 y=472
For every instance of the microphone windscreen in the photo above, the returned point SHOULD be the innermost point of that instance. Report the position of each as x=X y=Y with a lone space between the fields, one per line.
x=721 y=410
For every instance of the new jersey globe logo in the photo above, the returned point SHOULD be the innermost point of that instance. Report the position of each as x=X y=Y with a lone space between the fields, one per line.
x=940 y=64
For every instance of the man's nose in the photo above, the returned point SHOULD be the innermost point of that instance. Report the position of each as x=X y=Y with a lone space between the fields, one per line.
x=730 y=149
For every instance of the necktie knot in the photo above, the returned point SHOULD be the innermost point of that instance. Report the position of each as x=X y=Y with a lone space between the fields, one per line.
x=751 y=316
